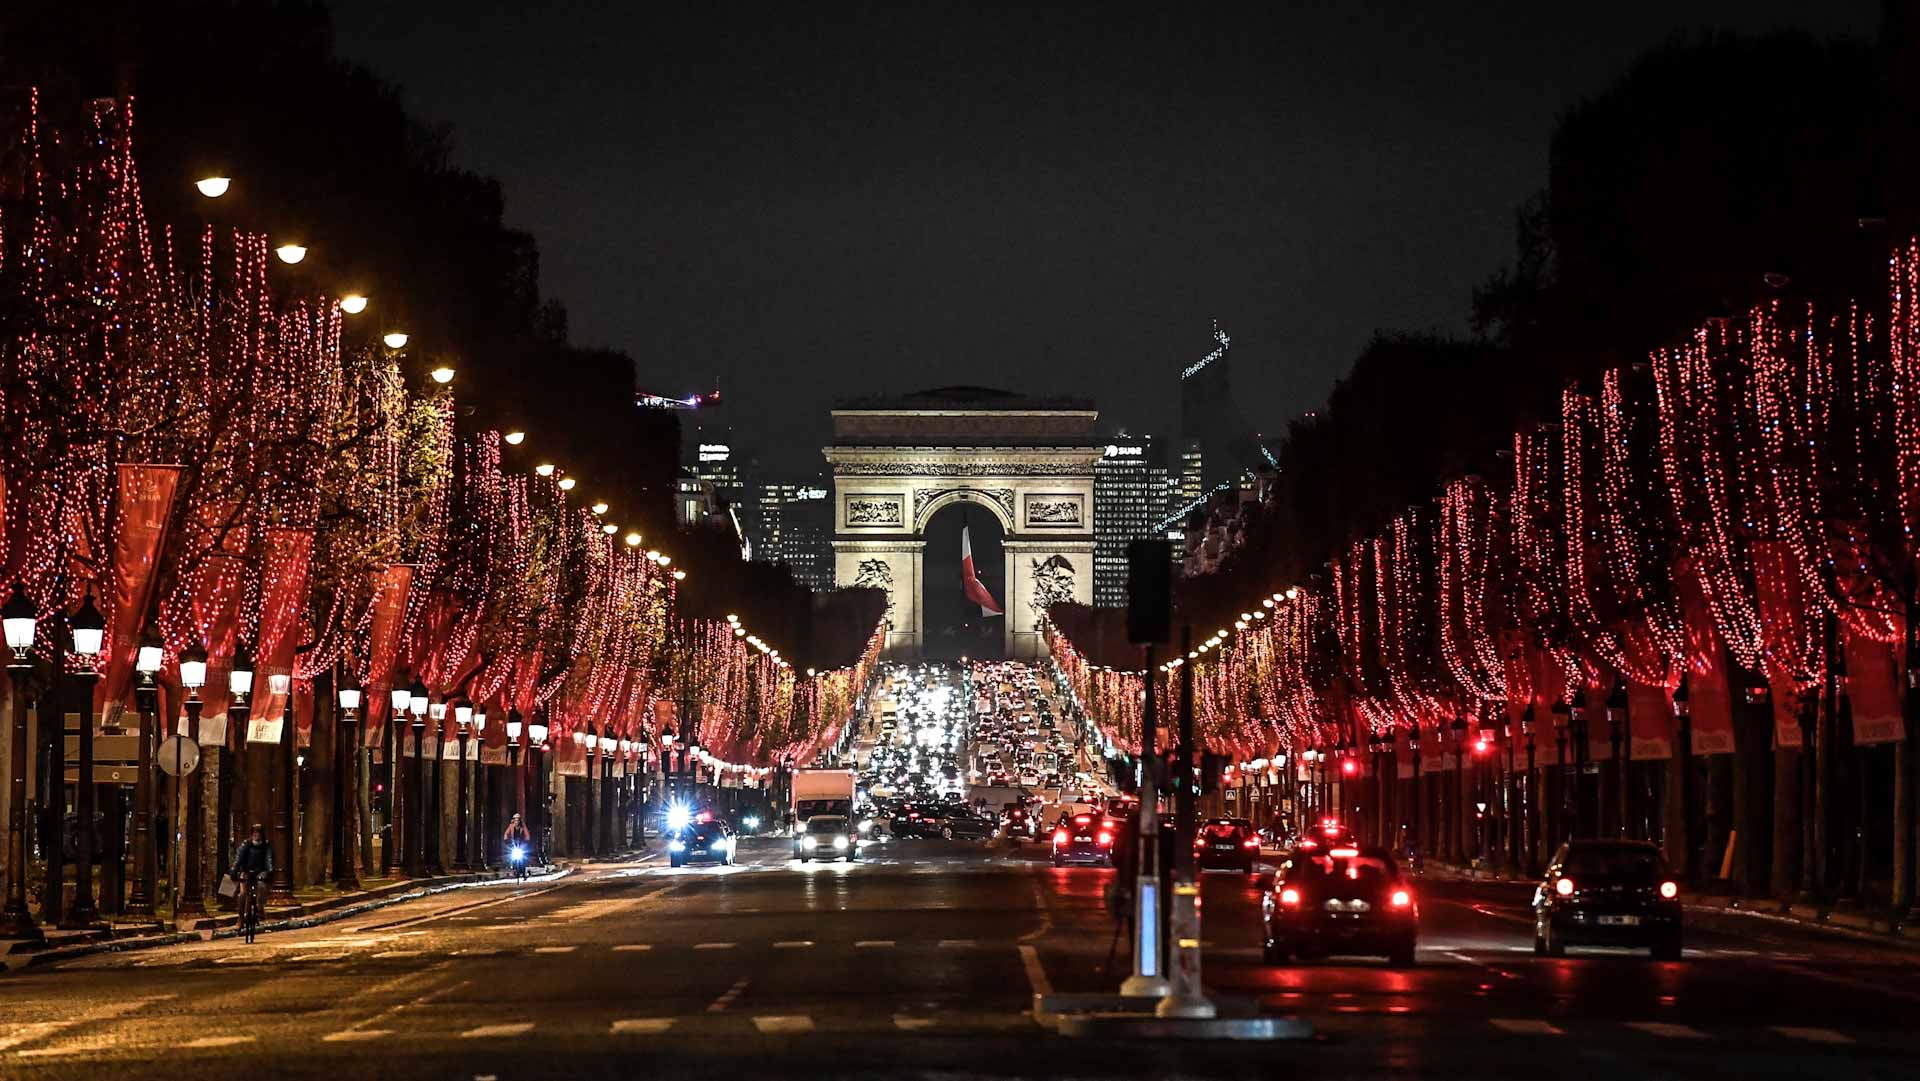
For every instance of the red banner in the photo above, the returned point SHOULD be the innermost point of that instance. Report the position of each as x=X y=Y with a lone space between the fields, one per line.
x=282 y=598
x=1873 y=689
x=1709 y=700
x=1649 y=722
x=145 y=503
x=1776 y=577
x=390 y=590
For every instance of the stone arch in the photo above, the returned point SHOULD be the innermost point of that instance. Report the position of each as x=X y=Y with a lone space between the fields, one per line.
x=929 y=501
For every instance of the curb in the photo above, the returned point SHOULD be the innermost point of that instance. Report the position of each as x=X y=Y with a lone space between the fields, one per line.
x=203 y=933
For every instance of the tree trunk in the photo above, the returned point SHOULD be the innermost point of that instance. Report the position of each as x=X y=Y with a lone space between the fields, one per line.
x=316 y=799
x=1785 y=878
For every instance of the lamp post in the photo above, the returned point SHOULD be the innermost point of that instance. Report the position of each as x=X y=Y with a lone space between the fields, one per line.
x=1683 y=722
x=85 y=914
x=537 y=735
x=436 y=801
x=462 y=844
x=1462 y=761
x=414 y=822
x=514 y=727
x=20 y=620
x=1413 y=797
x=626 y=794
x=344 y=743
x=1529 y=798
x=392 y=742
x=146 y=852
x=192 y=898
x=280 y=684
x=480 y=825
x=589 y=743
x=608 y=745
x=1563 y=824
x=239 y=687
x=1616 y=731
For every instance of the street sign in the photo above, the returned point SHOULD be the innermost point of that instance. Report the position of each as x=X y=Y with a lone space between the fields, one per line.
x=177 y=756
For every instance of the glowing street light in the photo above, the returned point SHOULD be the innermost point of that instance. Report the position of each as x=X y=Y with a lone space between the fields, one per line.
x=633 y=540
x=213 y=187
x=610 y=529
x=515 y=438
x=441 y=375
x=545 y=469
x=395 y=340
x=599 y=508
x=353 y=303
x=291 y=253
x=679 y=575
x=567 y=483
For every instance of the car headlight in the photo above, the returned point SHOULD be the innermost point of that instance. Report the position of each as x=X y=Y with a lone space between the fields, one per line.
x=866 y=824
x=676 y=846
x=809 y=842
x=840 y=842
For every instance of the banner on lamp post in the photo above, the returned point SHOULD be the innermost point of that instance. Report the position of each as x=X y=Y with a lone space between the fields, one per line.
x=145 y=504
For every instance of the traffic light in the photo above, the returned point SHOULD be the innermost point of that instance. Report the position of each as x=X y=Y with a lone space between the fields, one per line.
x=1210 y=769
x=1149 y=591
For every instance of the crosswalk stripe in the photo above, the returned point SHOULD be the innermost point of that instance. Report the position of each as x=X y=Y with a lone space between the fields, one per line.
x=645 y=1026
x=633 y=947
x=400 y=953
x=515 y=1028
x=911 y=1024
x=218 y=1041
x=714 y=945
x=957 y=943
x=1812 y=1035
x=355 y=1034
x=1521 y=1024
x=793 y=944
x=1670 y=1031
x=774 y=1025
x=873 y=943
x=555 y=949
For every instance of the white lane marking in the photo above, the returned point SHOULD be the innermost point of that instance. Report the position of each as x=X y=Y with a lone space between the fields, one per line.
x=911 y=1024
x=400 y=953
x=719 y=1005
x=555 y=949
x=30 y=1032
x=645 y=1026
x=1669 y=1031
x=513 y=1028
x=217 y=1041
x=1526 y=1025
x=781 y=1024
x=1036 y=975
x=793 y=944
x=633 y=947
x=873 y=943
x=714 y=945
x=477 y=953
x=1812 y=1035
x=957 y=943
x=354 y=1034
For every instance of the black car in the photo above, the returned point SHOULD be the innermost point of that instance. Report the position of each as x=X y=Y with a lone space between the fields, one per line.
x=1019 y=822
x=1322 y=835
x=1340 y=900
x=914 y=820
x=709 y=840
x=964 y=825
x=1228 y=843
x=1085 y=838
x=1608 y=893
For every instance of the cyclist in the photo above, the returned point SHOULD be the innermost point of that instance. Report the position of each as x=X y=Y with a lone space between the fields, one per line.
x=252 y=863
x=517 y=837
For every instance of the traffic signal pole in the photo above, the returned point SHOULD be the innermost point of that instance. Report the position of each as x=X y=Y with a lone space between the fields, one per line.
x=1148 y=979
x=1184 y=996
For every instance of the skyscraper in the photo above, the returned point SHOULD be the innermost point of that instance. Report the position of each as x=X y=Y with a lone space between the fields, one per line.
x=1217 y=444
x=794 y=526
x=1129 y=495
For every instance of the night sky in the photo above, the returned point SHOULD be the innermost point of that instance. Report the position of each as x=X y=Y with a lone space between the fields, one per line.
x=799 y=202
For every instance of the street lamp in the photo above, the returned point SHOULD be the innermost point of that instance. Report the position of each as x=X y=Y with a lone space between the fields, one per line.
x=213 y=187
x=416 y=792
x=436 y=862
x=345 y=878
x=478 y=826
x=146 y=852
x=463 y=724
x=19 y=617
x=441 y=375
x=515 y=437
x=291 y=253
x=394 y=339
x=353 y=303
x=192 y=898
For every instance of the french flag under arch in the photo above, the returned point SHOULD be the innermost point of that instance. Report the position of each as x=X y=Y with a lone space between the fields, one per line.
x=970 y=582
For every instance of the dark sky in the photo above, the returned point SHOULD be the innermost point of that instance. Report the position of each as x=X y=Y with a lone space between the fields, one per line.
x=804 y=201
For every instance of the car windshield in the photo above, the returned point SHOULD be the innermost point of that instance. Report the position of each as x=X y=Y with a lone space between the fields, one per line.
x=1221 y=827
x=807 y=808
x=1365 y=869
x=827 y=825
x=1625 y=864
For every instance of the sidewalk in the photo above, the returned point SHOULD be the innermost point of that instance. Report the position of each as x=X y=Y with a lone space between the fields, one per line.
x=1864 y=926
x=313 y=905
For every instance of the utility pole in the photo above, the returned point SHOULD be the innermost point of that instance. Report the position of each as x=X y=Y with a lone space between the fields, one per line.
x=1184 y=995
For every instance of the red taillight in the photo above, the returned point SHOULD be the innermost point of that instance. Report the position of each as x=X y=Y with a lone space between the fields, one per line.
x=1564 y=887
x=1289 y=896
x=1060 y=837
x=1669 y=890
x=1349 y=767
x=1251 y=842
x=1308 y=842
x=1105 y=838
x=1401 y=898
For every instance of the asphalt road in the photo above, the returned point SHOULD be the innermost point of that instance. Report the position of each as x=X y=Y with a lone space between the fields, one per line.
x=922 y=961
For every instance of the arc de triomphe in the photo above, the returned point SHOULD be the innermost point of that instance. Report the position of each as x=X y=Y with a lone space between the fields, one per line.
x=1027 y=461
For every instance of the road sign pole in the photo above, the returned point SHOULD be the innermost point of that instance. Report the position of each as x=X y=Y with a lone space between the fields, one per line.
x=191 y=902
x=1185 y=997
x=1148 y=979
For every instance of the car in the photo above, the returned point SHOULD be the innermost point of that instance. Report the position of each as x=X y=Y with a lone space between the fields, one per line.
x=1340 y=900
x=705 y=839
x=1018 y=822
x=1084 y=838
x=913 y=820
x=1608 y=893
x=1324 y=834
x=827 y=837
x=1228 y=843
x=959 y=824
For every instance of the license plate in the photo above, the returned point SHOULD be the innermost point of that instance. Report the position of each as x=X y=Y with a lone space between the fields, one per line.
x=1619 y=921
x=1224 y=847
x=1083 y=840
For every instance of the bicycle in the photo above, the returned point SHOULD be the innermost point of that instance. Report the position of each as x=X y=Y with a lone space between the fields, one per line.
x=250 y=907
